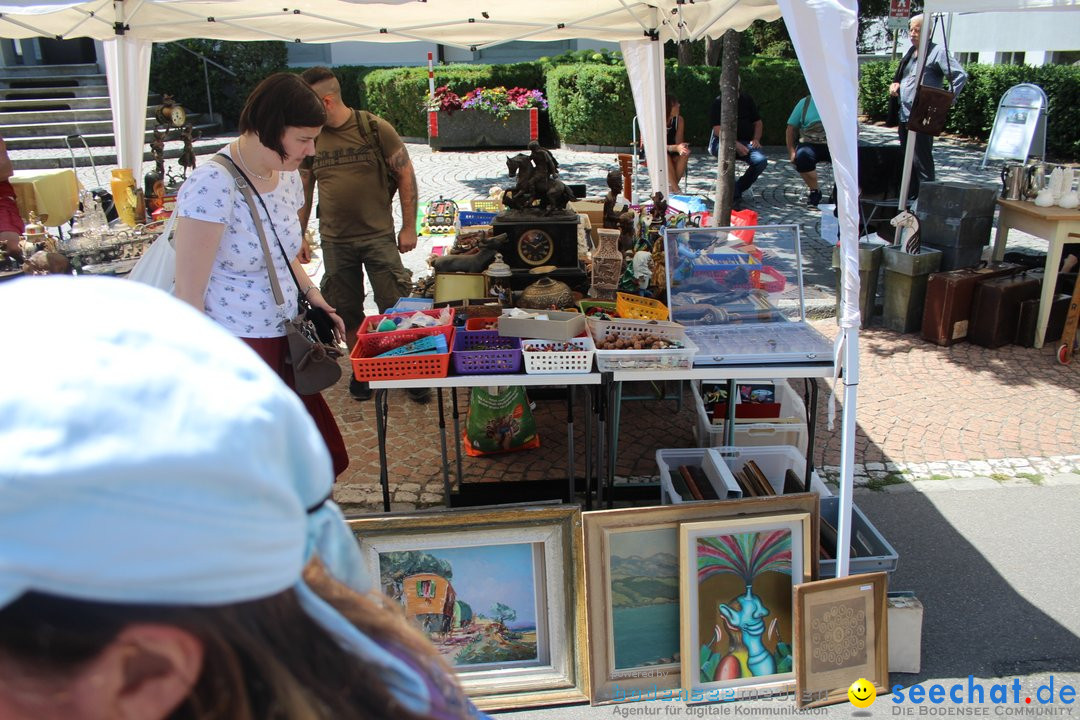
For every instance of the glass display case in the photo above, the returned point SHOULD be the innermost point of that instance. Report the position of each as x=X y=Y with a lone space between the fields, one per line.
x=739 y=292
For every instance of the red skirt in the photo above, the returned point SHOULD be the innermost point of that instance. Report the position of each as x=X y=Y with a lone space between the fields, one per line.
x=273 y=351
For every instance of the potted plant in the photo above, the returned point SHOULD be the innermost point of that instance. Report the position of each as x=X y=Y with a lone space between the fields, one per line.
x=485 y=117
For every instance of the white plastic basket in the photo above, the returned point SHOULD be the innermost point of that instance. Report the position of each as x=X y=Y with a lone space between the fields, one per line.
x=774 y=462
x=668 y=461
x=539 y=361
x=789 y=429
x=668 y=359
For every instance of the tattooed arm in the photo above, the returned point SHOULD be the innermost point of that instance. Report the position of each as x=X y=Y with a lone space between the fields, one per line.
x=402 y=168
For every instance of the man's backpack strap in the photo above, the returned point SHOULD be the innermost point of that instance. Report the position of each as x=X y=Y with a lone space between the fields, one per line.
x=368 y=126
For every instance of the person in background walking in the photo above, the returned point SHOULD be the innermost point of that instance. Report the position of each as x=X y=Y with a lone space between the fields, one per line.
x=939 y=65
x=678 y=151
x=748 y=130
x=359 y=163
x=807 y=145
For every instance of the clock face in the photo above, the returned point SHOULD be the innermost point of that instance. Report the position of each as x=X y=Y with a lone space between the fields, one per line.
x=535 y=247
x=178 y=116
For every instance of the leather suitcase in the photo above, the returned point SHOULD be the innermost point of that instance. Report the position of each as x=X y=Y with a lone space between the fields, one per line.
x=995 y=311
x=1029 y=316
x=949 y=295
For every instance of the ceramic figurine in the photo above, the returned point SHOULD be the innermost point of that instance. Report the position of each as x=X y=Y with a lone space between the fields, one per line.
x=643 y=270
x=611 y=200
x=606 y=266
x=658 y=213
x=627 y=231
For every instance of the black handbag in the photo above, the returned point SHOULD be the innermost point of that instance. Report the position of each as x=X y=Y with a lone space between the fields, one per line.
x=930 y=108
x=310 y=335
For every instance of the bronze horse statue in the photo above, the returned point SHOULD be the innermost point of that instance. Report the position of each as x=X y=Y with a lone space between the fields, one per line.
x=549 y=193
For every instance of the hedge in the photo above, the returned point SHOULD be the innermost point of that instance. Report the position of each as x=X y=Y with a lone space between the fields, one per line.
x=590 y=102
x=180 y=74
x=973 y=114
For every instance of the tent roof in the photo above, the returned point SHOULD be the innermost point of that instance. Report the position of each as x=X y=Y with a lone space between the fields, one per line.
x=463 y=23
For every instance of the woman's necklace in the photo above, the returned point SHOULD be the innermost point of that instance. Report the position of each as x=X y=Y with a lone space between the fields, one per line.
x=257 y=176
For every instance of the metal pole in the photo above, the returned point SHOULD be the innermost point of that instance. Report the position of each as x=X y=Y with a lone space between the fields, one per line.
x=206 y=79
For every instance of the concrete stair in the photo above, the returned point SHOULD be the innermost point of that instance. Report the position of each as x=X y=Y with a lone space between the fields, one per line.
x=44 y=109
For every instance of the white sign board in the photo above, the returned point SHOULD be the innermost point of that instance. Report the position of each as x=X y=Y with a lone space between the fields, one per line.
x=899 y=13
x=1019 y=126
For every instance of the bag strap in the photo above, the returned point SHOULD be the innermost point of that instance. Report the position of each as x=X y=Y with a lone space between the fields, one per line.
x=244 y=186
x=948 y=55
x=367 y=127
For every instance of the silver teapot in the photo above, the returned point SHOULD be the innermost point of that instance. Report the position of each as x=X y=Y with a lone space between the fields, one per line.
x=1036 y=179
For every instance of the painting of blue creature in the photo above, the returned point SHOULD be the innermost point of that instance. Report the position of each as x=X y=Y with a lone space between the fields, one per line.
x=738 y=597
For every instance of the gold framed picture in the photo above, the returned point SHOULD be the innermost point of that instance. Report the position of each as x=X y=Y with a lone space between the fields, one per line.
x=498 y=591
x=841 y=627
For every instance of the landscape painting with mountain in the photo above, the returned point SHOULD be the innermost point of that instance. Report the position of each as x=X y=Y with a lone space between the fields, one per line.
x=477 y=604
x=645 y=597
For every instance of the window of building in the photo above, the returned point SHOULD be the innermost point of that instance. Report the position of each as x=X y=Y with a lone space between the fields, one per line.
x=967 y=58
x=1011 y=58
x=1064 y=57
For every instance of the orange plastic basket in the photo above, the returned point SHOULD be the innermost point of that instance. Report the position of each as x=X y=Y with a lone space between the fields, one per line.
x=633 y=306
x=408 y=367
x=482 y=323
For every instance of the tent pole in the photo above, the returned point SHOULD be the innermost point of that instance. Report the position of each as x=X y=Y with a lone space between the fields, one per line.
x=909 y=149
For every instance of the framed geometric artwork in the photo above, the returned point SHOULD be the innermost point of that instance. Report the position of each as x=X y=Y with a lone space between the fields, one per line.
x=842 y=635
x=497 y=591
x=736 y=580
x=632 y=591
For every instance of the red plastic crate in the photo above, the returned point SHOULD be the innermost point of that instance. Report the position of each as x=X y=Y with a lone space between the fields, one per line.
x=482 y=323
x=373 y=343
x=409 y=367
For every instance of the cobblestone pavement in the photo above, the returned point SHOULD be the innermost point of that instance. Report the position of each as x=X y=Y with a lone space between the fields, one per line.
x=928 y=417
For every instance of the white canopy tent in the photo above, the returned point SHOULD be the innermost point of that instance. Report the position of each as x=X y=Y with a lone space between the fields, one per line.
x=823 y=32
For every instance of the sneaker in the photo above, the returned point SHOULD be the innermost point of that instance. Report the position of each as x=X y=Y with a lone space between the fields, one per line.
x=421 y=396
x=814 y=199
x=359 y=390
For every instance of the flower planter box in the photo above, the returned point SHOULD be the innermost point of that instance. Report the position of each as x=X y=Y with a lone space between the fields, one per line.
x=478 y=128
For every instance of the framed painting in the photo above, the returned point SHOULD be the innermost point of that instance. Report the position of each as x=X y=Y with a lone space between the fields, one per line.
x=735 y=583
x=632 y=590
x=841 y=635
x=498 y=591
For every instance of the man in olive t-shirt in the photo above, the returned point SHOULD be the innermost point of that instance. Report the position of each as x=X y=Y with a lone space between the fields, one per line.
x=356 y=222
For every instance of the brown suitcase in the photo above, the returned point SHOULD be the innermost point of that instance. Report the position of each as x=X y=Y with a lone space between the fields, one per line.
x=1029 y=316
x=948 y=301
x=995 y=311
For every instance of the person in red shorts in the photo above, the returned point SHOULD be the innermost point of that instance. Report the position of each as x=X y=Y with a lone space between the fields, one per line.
x=11 y=224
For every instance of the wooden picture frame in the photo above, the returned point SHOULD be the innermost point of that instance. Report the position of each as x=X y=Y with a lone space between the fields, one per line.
x=841 y=631
x=617 y=600
x=735 y=584
x=499 y=591
x=460 y=286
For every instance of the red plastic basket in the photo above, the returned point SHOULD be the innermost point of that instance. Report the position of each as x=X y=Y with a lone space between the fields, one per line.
x=373 y=343
x=407 y=367
x=482 y=323
x=484 y=352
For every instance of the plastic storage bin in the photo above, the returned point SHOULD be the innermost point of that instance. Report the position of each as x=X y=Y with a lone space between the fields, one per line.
x=541 y=361
x=635 y=306
x=667 y=359
x=751 y=432
x=883 y=556
x=372 y=343
x=485 y=352
x=669 y=460
x=405 y=367
x=774 y=461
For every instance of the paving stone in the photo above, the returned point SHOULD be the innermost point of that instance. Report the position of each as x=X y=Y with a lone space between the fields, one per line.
x=971 y=483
